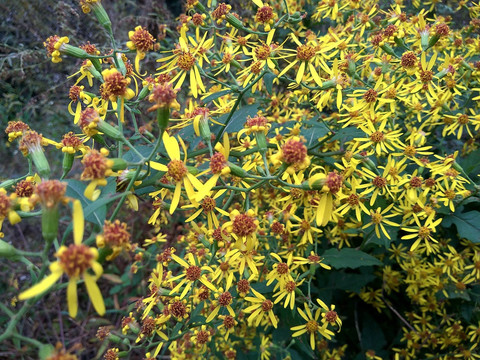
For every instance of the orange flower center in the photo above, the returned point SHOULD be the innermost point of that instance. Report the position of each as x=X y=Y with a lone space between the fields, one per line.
x=75 y=259
x=177 y=170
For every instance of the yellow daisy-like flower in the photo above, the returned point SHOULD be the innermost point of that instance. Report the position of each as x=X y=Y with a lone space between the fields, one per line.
x=75 y=261
x=261 y=308
x=312 y=327
x=192 y=273
x=177 y=170
x=187 y=60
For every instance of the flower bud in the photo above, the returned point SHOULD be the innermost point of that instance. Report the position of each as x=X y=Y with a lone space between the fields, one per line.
x=7 y=250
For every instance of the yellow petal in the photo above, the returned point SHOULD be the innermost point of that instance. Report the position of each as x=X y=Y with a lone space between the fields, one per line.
x=78 y=222
x=176 y=197
x=157 y=166
x=42 y=286
x=300 y=73
x=94 y=294
x=72 y=298
x=171 y=145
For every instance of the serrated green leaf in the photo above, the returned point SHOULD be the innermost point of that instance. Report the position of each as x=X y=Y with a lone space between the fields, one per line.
x=349 y=258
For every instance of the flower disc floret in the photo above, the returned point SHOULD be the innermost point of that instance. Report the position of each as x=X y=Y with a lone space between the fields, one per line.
x=116 y=233
x=312 y=326
x=370 y=96
x=267 y=305
x=379 y=182
x=140 y=39
x=208 y=204
x=244 y=225
x=193 y=273
x=264 y=14
x=262 y=52
x=71 y=143
x=25 y=188
x=177 y=170
x=75 y=259
x=96 y=166
x=225 y=299
x=377 y=137
x=16 y=129
x=185 y=60
x=243 y=286
x=409 y=60
x=50 y=192
x=115 y=84
x=331 y=316
x=334 y=181
x=305 y=52
x=217 y=163
x=294 y=152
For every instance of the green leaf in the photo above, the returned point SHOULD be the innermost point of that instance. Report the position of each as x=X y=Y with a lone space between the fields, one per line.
x=75 y=189
x=262 y=287
x=268 y=80
x=470 y=163
x=145 y=150
x=348 y=133
x=239 y=117
x=216 y=96
x=349 y=258
x=350 y=282
x=314 y=133
x=468 y=225
x=383 y=240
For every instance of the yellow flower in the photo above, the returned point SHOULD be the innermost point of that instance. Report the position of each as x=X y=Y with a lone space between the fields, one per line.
x=379 y=217
x=75 y=261
x=191 y=275
x=312 y=327
x=260 y=310
x=422 y=233
x=177 y=170
x=187 y=60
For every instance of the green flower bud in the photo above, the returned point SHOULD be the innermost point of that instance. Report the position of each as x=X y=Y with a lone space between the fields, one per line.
x=118 y=164
x=7 y=250
x=73 y=51
x=50 y=218
x=102 y=16
x=67 y=163
x=237 y=170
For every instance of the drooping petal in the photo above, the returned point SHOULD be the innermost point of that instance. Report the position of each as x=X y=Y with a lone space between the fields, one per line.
x=42 y=286
x=94 y=294
x=78 y=222
x=72 y=298
x=171 y=145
